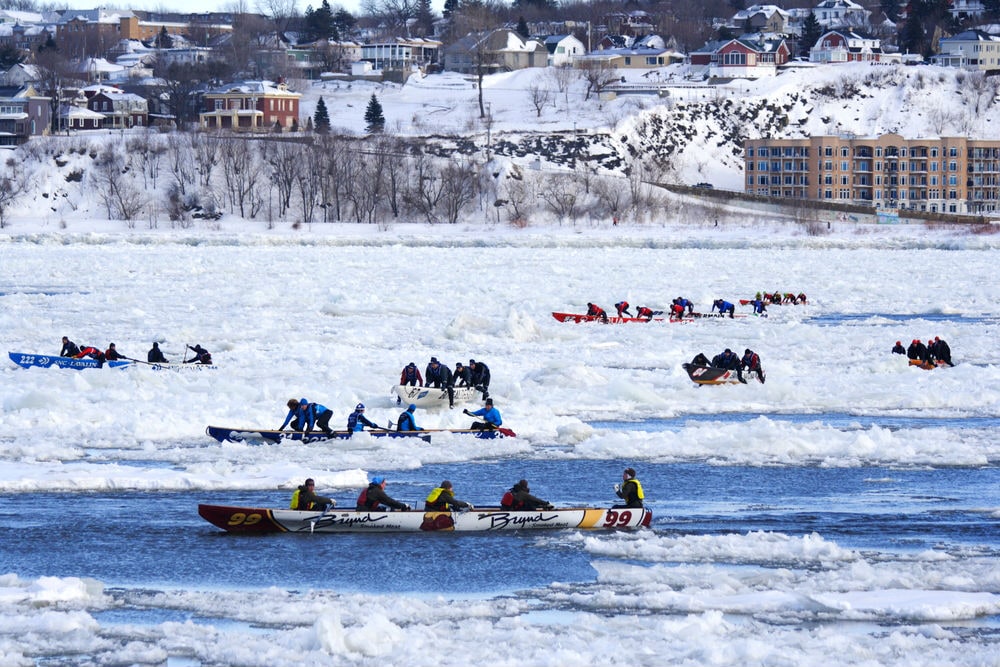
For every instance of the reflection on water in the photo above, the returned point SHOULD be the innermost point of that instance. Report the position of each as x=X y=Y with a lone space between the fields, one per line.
x=839 y=420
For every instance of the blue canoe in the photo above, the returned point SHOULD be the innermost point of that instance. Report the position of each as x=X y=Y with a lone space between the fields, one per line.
x=47 y=361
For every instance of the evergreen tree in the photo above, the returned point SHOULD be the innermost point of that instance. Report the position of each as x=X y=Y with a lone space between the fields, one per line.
x=522 y=27
x=10 y=56
x=321 y=119
x=425 y=18
x=163 y=39
x=344 y=22
x=811 y=32
x=319 y=23
x=991 y=9
x=450 y=7
x=374 y=119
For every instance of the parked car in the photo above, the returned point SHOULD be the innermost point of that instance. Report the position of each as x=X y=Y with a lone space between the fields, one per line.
x=704 y=186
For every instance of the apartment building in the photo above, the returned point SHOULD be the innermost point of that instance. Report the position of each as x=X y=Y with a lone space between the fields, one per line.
x=944 y=174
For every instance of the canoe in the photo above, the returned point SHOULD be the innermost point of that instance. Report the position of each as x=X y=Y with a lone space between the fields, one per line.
x=578 y=318
x=256 y=436
x=48 y=361
x=926 y=365
x=429 y=397
x=253 y=520
x=700 y=374
x=174 y=366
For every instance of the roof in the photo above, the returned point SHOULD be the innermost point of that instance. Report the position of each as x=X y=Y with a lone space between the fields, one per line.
x=252 y=87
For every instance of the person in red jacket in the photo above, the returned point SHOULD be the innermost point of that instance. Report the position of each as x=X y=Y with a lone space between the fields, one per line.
x=596 y=311
x=411 y=376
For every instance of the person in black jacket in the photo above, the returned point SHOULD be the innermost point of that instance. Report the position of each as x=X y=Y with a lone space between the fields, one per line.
x=438 y=375
x=630 y=490
x=941 y=350
x=523 y=500
x=898 y=348
x=730 y=361
x=462 y=376
x=480 y=377
x=69 y=348
x=374 y=497
x=155 y=356
x=201 y=355
x=305 y=498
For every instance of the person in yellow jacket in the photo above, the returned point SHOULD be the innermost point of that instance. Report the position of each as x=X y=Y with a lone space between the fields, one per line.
x=630 y=490
x=305 y=498
x=442 y=499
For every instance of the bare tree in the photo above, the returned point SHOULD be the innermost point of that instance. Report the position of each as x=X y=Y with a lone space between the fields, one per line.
x=540 y=97
x=310 y=181
x=244 y=176
x=115 y=187
x=560 y=194
x=561 y=78
x=284 y=159
x=424 y=191
x=598 y=75
x=392 y=15
x=180 y=162
x=206 y=156
x=460 y=186
x=11 y=188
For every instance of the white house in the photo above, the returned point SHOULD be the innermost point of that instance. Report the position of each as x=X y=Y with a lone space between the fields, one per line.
x=840 y=13
x=562 y=49
x=970 y=49
x=847 y=46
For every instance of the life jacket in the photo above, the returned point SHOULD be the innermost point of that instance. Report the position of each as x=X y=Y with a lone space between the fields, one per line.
x=435 y=502
x=638 y=488
x=204 y=358
x=509 y=502
x=296 y=502
x=363 y=500
x=406 y=422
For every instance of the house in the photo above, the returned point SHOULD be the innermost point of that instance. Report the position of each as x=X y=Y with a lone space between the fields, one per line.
x=840 y=14
x=970 y=49
x=641 y=55
x=250 y=105
x=121 y=110
x=74 y=117
x=761 y=18
x=749 y=57
x=401 y=53
x=847 y=46
x=563 y=49
x=491 y=51
x=966 y=9
x=20 y=75
x=22 y=115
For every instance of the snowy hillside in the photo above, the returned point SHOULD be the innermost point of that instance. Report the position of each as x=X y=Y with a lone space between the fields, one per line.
x=541 y=122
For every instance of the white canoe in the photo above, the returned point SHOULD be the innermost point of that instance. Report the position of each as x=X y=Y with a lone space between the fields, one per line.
x=429 y=397
x=488 y=519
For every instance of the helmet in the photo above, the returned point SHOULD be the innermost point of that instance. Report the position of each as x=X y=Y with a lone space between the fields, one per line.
x=898 y=343
x=303 y=400
x=359 y=406
x=378 y=480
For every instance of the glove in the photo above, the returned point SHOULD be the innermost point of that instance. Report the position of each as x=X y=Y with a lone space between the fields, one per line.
x=406 y=508
x=618 y=488
x=466 y=412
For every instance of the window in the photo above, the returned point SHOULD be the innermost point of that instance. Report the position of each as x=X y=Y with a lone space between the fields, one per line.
x=628 y=60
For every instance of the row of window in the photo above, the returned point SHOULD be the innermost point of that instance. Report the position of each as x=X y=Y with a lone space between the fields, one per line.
x=867 y=151
x=860 y=165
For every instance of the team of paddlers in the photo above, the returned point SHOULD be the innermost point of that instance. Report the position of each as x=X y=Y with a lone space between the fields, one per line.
x=154 y=356
x=374 y=498
x=935 y=352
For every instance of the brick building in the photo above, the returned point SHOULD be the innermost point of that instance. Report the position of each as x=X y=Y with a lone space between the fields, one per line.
x=943 y=174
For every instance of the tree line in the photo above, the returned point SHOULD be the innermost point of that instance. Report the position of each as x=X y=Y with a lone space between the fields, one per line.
x=179 y=178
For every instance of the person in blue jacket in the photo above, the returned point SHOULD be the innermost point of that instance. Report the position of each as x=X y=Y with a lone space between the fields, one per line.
x=724 y=307
x=490 y=415
x=759 y=307
x=357 y=420
x=729 y=360
x=304 y=416
x=406 y=420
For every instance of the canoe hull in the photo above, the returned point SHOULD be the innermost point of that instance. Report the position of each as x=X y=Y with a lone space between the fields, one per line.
x=49 y=361
x=429 y=397
x=251 y=520
x=710 y=375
